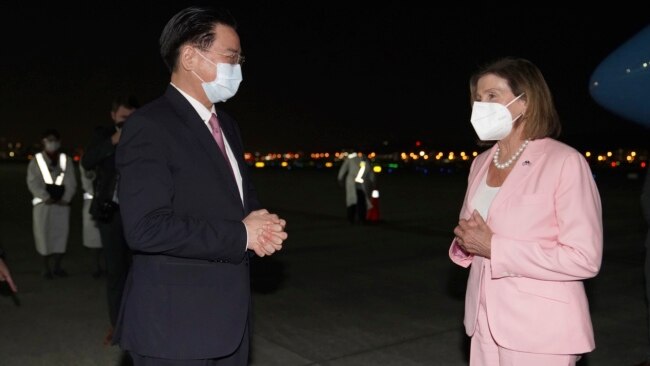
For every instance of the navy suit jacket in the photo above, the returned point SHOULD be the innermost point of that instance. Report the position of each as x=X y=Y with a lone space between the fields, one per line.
x=187 y=295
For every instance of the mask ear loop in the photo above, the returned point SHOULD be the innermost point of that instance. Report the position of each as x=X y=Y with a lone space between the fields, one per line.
x=205 y=58
x=520 y=114
x=514 y=100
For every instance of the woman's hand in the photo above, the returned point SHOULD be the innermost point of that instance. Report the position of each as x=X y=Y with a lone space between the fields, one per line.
x=474 y=236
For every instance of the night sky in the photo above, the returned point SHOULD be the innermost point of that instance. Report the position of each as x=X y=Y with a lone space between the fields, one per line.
x=318 y=75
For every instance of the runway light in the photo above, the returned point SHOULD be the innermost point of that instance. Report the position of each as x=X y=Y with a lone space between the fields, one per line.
x=259 y=164
x=284 y=164
x=376 y=168
x=329 y=164
x=588 y=154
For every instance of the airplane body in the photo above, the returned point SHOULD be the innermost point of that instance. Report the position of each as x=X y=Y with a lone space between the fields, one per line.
x=621 y=82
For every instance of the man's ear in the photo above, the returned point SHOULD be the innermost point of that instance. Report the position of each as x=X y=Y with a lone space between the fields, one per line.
x=187 y=58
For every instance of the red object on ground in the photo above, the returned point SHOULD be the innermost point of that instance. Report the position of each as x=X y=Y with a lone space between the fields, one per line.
x=373 y=213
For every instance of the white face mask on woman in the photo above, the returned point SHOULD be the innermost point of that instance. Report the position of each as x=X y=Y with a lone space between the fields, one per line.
x=226 y=83
x=492 y=121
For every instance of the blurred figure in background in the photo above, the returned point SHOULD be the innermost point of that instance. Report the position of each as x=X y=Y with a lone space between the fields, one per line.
x=90 y=234
x=645 y=206
x=5 y=274
x=52 y=182
x=99 y=157
x=358 y=179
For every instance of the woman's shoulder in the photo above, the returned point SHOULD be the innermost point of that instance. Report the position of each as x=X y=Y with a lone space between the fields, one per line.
x=557 y=148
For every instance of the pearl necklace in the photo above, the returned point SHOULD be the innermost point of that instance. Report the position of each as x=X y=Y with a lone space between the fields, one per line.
x=512 y=159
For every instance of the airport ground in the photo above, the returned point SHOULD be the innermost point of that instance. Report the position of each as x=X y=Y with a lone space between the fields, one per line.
x=338 y=294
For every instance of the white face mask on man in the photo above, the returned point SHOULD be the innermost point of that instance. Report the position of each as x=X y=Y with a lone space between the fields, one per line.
x=492 y=121
x=225 y=84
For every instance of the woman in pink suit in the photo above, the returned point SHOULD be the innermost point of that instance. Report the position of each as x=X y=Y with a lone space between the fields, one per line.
x=530 y=227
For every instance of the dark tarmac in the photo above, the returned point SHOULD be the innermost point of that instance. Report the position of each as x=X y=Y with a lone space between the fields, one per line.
x=337 y=294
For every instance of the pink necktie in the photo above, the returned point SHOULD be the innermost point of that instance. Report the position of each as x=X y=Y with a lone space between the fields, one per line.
x=218 y=137
x=216 y=133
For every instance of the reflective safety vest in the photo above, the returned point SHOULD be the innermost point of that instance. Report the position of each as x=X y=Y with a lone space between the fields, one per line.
x=45 y=172
x=362 y=169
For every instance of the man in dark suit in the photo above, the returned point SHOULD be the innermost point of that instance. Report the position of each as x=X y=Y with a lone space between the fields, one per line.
x=104 y=209
x=188 y=206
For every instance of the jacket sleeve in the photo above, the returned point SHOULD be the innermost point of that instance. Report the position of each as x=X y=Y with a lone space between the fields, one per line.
x=456 y=253
x=576 y=252
x=146 y=190
x=35 y=182
x=343 y=170
x=69 y=181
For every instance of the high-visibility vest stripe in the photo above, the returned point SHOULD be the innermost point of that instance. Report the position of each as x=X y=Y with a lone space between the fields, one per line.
x=362 y=169
x=63 y=161
x=45 y=172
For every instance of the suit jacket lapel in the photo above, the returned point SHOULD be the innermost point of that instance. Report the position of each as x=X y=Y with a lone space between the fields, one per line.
x=202 y=134
x=529 y=161
x=476 y=181
x=228 y=130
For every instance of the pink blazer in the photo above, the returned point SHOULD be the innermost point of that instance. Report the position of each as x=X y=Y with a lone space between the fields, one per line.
x=548 y=237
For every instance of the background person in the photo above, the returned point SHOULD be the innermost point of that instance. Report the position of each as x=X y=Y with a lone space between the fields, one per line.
x=52 y=182
x=530 y=227
x=358 y=179
x=645 y=206
x=5 y=273
x=99 y=157
x=91 y=238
